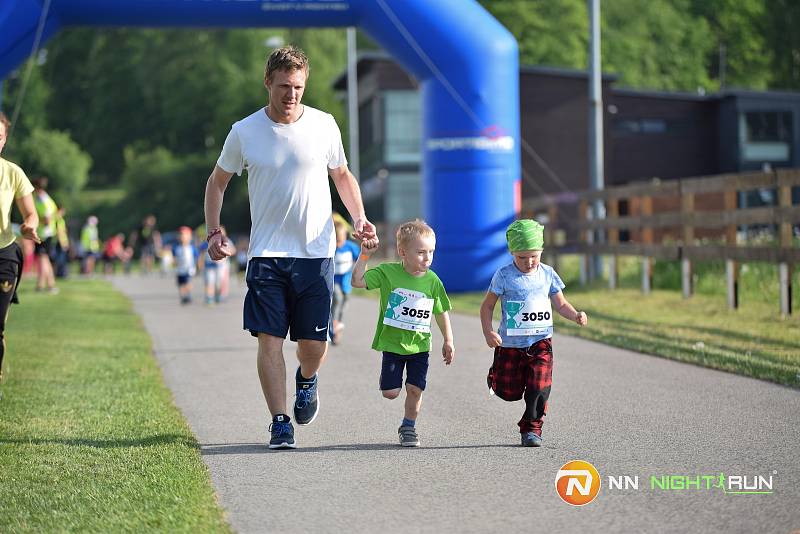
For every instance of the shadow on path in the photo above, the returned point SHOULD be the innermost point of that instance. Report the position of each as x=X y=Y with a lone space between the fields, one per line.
x=261 y=448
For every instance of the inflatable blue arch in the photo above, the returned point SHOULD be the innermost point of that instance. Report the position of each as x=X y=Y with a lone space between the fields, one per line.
x=467 y=65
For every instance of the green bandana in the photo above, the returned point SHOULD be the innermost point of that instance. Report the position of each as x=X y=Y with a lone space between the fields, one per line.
x=525 y=234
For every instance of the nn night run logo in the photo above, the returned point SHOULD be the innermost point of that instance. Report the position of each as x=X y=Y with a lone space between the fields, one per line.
x=578 y=483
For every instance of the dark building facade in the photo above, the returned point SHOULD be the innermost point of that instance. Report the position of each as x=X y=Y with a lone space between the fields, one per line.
x=660 y=135
x=647 y=134
x=554 y=123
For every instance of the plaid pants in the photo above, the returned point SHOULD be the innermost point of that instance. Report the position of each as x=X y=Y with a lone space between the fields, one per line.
x=528 y=373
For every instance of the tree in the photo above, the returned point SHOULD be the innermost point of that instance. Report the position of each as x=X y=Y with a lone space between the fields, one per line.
x=54 y=154
x=739 y=36
x=172 y=187
x=548 y=32
x=655 y=45
x=783 y=37
x=33 y=110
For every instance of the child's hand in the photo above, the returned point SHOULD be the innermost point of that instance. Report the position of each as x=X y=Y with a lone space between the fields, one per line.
x=368 y=246
x=493 y=339
x=581 y=318
x=448 y=352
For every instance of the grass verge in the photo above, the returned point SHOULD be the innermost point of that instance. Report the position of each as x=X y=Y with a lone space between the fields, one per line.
x=89 y=437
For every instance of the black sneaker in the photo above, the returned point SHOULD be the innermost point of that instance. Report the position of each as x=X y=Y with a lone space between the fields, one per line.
x=282 y=433
x=306 y=402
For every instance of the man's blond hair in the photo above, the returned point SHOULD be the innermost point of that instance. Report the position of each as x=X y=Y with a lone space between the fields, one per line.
x=411 y=230
x=287 y=58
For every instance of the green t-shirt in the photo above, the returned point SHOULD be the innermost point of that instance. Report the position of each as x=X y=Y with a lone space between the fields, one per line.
x=403 y=288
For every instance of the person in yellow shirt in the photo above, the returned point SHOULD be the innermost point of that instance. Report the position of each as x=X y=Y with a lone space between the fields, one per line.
x=14 y=186
x=90 y=245
x=47 y=210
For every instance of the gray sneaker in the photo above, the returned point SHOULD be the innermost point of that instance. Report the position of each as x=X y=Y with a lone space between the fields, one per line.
x=529 y=439
x=408 y=436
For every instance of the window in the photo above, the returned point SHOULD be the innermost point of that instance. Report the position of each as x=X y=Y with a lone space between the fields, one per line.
x=402 y=127
x=765 y=136
x=640 y=126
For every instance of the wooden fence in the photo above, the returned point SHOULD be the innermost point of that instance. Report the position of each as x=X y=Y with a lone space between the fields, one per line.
x=695 y=207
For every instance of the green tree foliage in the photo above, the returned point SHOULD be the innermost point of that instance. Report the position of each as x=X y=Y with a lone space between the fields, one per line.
x=54 y=154
x=32 y=112
x=655 y=45
x=159 y=182
x=548 y=32
x=665 y=44
x=739 y=37
x=178 y=89
x=172 y=187
x=783 y=36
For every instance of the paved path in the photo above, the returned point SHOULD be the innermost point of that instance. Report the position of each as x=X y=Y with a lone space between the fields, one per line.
x=626 y=413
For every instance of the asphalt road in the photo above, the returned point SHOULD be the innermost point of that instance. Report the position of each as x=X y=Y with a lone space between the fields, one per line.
x=628 y=414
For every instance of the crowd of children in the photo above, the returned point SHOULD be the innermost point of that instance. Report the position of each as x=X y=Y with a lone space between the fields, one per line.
x=185 y=257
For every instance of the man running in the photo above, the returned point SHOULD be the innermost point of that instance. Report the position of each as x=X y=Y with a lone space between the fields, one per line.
x=288 y=150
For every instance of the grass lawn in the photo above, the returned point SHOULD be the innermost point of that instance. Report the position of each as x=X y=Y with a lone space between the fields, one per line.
x=89 y=437
x=754 y=340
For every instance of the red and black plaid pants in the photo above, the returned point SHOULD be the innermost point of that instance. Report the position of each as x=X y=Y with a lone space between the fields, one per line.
x=524 y=373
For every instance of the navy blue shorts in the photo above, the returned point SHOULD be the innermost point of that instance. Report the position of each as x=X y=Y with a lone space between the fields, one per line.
x=416 y=366
x=289 y=295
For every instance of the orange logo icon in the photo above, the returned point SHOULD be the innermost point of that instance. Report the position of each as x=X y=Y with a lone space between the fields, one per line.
x=577 y=482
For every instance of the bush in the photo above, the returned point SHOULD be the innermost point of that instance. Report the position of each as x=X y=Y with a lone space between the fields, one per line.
x=173 y=189
x=54 y=154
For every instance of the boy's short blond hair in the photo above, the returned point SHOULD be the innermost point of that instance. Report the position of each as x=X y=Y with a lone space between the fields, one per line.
x=410 y=230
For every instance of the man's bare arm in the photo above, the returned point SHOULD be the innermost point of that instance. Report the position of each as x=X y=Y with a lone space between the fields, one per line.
x=218 y=246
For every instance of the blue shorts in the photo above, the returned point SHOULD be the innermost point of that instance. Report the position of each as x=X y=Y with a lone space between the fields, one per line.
x=289 y=295
x=416 y=366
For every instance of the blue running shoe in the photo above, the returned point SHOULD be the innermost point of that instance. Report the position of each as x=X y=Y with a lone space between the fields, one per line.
x=306 y=402
x=282 y=433
x=529 y=439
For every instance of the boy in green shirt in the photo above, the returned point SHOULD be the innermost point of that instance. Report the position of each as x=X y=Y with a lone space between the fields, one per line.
x=411 y=295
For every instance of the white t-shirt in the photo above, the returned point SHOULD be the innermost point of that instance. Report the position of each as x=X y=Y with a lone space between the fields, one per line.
x=287 y=169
